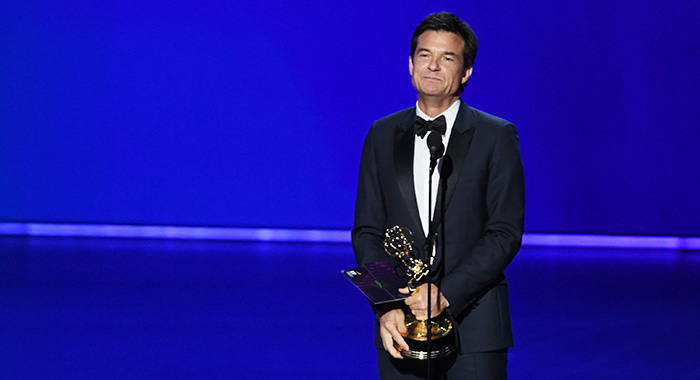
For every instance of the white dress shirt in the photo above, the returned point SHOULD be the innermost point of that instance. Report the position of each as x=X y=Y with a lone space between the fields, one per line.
x=421 y=163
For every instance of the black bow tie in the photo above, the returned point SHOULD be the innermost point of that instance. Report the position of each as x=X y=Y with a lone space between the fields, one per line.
x=424 y=126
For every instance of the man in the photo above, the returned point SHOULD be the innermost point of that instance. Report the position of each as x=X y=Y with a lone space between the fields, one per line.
x=478 y=214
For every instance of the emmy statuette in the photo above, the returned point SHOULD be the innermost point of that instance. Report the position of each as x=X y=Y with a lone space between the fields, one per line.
x=398 y=242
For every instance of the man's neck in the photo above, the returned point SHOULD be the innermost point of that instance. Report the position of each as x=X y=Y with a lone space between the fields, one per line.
x=433 y=107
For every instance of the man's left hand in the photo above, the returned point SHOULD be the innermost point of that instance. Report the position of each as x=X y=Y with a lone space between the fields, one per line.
x=418 y=301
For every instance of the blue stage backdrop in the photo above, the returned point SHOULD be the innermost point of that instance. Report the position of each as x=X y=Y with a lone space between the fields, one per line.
x=253 y=113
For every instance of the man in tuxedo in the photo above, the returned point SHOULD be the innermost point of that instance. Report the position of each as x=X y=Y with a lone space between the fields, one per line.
x=477 y=208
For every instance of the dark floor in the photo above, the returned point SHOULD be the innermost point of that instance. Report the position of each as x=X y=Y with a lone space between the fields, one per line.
x=135 y=309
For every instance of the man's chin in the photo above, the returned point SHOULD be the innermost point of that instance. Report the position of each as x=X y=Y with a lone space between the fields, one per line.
x=433 y=94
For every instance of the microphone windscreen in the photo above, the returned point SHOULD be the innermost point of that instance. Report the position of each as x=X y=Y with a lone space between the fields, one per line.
x=435 y=145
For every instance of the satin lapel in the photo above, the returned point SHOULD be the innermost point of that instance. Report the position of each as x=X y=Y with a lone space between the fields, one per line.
x=452 y=163
x=403 y=163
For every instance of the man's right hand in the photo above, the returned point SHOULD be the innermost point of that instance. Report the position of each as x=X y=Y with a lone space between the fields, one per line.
x=391 y=328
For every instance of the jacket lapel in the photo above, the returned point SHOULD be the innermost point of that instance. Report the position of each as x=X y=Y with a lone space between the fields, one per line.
x=404 y=138
x=452 y=163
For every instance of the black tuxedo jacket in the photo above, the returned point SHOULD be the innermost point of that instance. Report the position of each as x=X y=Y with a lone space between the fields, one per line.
x=479 y=215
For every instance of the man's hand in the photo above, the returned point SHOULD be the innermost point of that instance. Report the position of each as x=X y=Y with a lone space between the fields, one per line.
x=391 y=326
x=418 y=301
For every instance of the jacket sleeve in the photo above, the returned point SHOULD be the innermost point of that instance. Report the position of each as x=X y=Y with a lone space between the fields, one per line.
x=482 y=267
x=370 y=215
x=370 y=210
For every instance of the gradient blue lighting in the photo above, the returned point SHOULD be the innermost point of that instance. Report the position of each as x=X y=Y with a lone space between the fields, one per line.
x=174 y=232
x=611 y=241
x=320 y=236
x=165 y=113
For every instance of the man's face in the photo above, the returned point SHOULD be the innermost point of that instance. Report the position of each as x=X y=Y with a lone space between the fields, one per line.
x=437 y=66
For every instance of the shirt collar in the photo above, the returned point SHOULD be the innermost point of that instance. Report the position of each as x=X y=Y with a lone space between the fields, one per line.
x=450 y=115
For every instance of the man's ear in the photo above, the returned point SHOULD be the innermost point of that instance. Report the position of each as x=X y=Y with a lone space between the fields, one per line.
x=467 y=74
x=410 y=65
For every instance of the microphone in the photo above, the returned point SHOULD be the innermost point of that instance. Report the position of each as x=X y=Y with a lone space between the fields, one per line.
x=436 y=147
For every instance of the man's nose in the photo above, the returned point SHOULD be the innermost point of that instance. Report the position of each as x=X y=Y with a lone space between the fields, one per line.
x=434 y=65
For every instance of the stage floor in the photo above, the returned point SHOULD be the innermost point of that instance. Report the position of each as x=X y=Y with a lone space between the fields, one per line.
x=159 y=309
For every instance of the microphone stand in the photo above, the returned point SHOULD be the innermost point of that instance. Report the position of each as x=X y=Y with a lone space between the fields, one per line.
x=436 y=150
x=431 y=237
